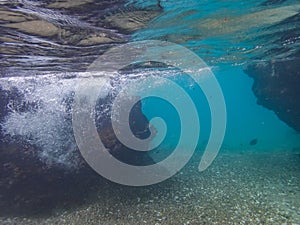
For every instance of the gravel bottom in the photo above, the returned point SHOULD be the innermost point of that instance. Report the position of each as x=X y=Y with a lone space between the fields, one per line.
x=238 y=188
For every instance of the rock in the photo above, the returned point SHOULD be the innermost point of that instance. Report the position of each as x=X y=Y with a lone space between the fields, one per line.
x=131 y=21
x=29 y=185
x=9 y=16
x=86 y=37
x=140 y=128
x=272 y=2
x=35 y=27
x=276 y=86
x=210 y=27
x=68 y=3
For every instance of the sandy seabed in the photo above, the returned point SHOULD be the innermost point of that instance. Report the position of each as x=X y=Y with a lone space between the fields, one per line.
x=238 y=188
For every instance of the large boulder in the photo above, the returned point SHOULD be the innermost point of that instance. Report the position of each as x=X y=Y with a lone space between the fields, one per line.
x=277 y=87
x=29 y=184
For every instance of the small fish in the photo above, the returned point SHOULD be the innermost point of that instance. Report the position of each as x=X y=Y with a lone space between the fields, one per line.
x=253 y=141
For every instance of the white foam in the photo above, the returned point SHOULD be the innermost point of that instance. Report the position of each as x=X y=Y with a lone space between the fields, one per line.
x=48 y=126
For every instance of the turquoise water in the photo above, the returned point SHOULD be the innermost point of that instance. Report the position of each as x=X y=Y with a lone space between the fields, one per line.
x=49 y=75
x=249 y=120
x=228 y=36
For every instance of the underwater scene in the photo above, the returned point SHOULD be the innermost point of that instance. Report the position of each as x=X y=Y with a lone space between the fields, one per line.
x=149 y=112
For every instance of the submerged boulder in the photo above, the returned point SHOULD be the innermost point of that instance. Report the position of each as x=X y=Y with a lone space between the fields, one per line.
x=139 y=125
x=30 y=184
x=277 y=87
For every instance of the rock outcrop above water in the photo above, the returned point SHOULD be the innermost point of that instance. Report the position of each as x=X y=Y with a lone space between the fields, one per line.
x=277 y=87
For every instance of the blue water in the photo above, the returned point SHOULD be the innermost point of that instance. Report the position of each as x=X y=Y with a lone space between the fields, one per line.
x=40 y=74
x=227 y=36
x=248 y=120
x=229 y=39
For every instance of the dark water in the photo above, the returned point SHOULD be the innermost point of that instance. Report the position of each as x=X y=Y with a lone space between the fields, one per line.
x=46 y=47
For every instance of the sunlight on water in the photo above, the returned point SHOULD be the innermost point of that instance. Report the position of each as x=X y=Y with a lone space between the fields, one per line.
x=225 y=32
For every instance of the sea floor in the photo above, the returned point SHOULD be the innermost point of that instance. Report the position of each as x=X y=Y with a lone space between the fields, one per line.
x=238 y=188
